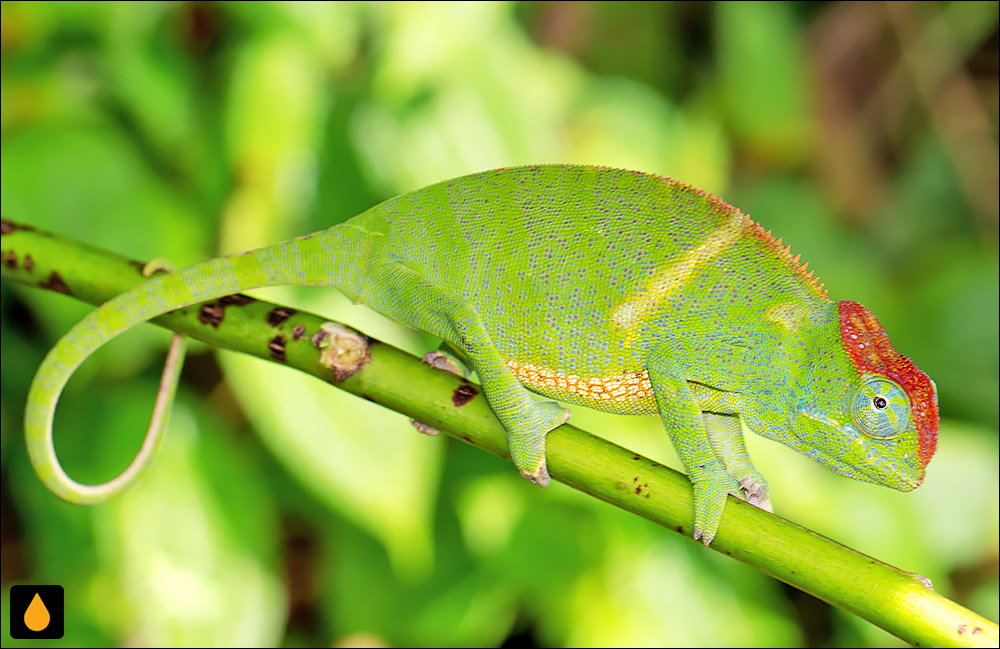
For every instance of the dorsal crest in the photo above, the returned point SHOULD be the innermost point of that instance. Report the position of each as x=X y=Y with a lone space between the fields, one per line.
x=754 y=229
x=871 y=352
x=784 y=253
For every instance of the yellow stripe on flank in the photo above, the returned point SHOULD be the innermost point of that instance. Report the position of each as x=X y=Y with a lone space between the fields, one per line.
x=626 y=386
x=672 y=279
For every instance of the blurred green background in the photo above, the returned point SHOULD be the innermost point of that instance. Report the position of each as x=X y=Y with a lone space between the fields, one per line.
x=281 y=511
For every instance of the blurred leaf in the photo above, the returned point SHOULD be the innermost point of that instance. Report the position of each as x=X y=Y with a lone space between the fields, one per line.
x=625 y=124
x=763 y=80
x=187 y=577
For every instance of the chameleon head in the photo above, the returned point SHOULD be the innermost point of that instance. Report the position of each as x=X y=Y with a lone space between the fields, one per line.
x=882 y=427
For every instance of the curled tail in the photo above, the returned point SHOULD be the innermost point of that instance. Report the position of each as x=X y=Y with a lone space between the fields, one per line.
x=307 y=260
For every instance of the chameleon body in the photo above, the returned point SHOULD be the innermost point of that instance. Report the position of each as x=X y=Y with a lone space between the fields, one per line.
x=618 y=290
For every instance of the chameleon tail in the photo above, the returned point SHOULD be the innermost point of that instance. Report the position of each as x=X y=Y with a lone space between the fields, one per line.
x=300 y=261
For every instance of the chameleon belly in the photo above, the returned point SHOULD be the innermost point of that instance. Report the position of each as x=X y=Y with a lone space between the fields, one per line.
x=625 y=393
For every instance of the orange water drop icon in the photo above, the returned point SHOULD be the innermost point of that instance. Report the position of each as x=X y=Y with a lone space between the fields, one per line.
x=36 y=617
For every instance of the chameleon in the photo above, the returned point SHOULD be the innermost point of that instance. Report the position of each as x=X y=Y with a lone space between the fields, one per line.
x=619 y=290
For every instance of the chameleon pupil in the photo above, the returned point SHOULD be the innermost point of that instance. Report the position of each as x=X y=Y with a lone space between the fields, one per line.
x=880 y=403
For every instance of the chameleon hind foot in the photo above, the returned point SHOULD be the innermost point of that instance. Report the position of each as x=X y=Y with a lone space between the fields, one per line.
x=527 y=442
x=447 y=314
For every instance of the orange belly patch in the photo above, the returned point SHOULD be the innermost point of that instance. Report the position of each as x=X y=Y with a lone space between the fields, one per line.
x=627 y=386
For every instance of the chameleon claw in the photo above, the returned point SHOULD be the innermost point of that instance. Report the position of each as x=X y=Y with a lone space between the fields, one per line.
x=760 y=503
x=704 y=537
x=527 y=446
x=425 y=429
x=712 y=487
x=441 y=361
x=540 y=476
x=756 y=492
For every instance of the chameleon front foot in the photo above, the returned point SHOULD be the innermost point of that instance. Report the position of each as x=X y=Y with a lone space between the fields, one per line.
x=712 y=486
x=726 y=438
x=711 y=493
x=756 y=490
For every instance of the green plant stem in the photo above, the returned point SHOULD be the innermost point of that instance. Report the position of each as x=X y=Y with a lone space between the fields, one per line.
x=900 y=602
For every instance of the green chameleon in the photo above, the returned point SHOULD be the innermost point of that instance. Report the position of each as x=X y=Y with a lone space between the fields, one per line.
x=618 y=290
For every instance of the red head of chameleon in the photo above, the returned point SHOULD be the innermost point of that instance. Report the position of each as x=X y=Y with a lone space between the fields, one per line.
x=872 y=353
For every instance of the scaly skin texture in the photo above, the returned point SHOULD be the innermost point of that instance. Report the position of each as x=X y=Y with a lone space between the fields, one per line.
x=617 y=290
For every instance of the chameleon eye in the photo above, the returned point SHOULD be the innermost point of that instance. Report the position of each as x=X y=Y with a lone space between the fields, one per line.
x=881 y=408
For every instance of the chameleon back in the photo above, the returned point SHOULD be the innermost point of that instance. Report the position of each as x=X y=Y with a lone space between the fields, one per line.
x=578 y=272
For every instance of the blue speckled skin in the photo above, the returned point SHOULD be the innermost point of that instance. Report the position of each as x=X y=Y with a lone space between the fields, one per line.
x=545 y=273
x=613 y=289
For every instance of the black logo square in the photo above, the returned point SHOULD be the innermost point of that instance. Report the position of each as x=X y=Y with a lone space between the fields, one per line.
x=36 y=612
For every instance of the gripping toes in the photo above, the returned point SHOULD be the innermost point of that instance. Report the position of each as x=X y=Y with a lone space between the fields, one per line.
x=712 y=485
x=756 y=490
x=527 y=439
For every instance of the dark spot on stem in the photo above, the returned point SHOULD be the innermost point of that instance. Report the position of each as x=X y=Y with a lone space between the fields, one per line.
x=638 y=490
x=211 y=313
x=54 y=282
x=278 y=315
x=6 y=227
x=277 y=348
x=463 y=394
x=318 y=337
x=636 y=457
x=29 y=263
x=298 y=331
x=341 y=374
x=961 y=629
x=9 y=259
